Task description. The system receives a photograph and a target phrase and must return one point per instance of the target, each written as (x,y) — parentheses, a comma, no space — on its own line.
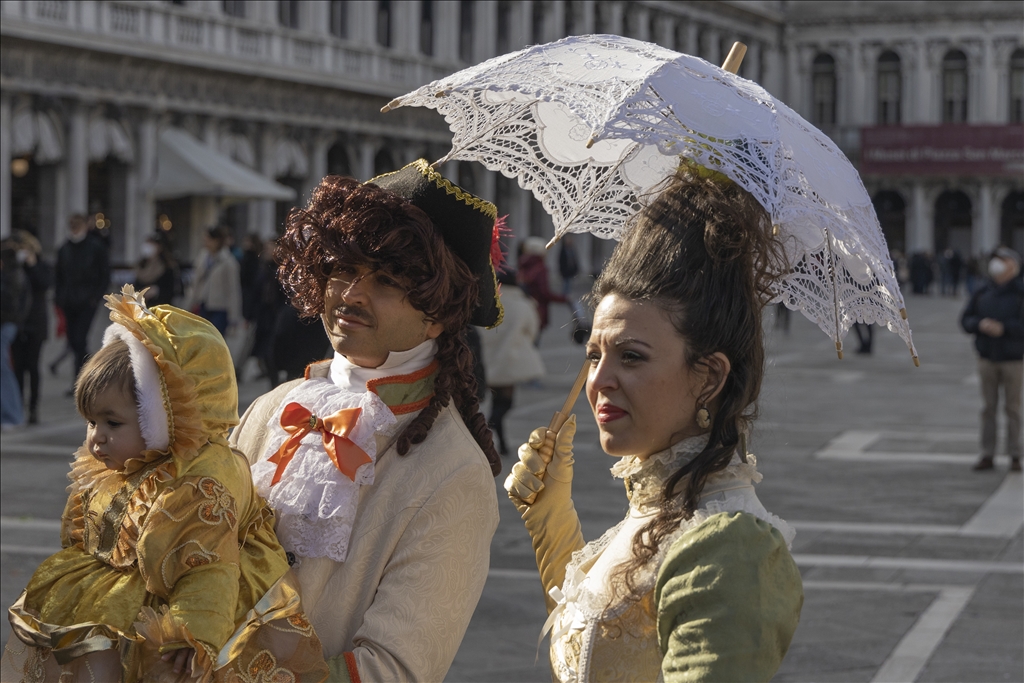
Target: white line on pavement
(899,456)
(916,647)
(13,549)
(29,524)
(514,574)
(876,586)
(40,449)
(881,528)
(1002,515)
(916,563)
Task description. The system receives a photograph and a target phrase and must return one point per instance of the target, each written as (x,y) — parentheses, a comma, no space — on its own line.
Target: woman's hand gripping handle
(540,486)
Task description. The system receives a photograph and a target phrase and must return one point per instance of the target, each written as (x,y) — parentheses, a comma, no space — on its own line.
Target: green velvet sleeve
(729,596)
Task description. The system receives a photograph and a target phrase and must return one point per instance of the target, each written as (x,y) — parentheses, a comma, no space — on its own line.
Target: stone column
(485,30)
(446,30)
(985,235)
(145,205)
(771,70)
(322,141)
(615,18)
(643,22)
(861,102)
(554,21)
(263,221)
(664,33)
(78,161)
(752,61)
(990,78)
(5,166)
(587,18)
(711,48)
(921,235)
(690,44)
(367,151)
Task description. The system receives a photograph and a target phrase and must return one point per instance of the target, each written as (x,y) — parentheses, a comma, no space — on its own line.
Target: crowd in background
(236,288)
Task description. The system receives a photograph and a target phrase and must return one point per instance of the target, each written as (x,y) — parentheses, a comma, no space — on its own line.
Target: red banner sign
(943,150)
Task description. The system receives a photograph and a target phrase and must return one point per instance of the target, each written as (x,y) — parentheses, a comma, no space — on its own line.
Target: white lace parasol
(593,124)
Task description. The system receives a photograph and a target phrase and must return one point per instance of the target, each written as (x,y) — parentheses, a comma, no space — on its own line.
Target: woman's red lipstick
(608,413)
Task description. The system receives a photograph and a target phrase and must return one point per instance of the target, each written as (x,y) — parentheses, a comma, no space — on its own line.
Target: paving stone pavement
(913,565)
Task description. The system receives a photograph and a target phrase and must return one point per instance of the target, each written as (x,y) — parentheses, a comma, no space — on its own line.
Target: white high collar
(348,375)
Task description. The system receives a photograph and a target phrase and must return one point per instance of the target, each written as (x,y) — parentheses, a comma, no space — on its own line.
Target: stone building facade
(292,90)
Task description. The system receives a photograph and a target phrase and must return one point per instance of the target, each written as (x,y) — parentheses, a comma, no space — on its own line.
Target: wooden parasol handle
(732,65)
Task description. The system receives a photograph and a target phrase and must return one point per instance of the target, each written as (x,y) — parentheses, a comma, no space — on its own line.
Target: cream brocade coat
(418,556)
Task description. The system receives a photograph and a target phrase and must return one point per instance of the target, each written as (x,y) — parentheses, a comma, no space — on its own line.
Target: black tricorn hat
(466,222)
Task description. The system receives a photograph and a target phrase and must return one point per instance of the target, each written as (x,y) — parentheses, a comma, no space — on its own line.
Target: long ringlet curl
(360,224)
(703,250)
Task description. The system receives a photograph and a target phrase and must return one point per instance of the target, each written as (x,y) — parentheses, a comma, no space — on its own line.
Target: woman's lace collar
(646,478)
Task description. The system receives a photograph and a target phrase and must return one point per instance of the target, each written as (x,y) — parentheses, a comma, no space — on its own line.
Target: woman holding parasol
(697,582)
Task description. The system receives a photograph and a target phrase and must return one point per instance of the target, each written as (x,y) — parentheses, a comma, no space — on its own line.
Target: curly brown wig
(363,225)
(704,252)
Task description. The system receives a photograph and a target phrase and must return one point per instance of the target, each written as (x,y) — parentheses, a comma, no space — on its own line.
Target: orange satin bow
(298,421)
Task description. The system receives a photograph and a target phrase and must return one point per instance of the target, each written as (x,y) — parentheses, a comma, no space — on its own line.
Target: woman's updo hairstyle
(703,250)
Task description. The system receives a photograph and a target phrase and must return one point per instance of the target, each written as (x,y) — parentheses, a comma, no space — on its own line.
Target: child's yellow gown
(175,550)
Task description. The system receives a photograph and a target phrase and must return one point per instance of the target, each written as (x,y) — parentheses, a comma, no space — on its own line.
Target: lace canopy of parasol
(592,125)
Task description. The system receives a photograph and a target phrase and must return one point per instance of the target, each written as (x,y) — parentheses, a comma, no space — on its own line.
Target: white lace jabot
(348,375)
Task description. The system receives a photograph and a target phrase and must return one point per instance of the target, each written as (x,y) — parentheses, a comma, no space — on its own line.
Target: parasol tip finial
(839,349)
(917,362)
(591,141)
(903,313)
(393,104)
(735,58)
(553,241)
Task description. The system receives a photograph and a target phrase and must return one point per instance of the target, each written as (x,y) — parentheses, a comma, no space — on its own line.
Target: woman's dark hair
(703,251)
(356,224)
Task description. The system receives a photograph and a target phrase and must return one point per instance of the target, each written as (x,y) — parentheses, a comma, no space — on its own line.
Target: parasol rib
(452,154)
(597,189)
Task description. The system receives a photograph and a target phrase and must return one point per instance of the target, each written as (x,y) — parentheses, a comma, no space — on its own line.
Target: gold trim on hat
(482,205)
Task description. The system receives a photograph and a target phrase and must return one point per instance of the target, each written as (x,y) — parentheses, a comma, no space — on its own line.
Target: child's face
(114,436)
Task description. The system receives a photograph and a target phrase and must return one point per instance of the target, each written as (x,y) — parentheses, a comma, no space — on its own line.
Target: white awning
(187,167)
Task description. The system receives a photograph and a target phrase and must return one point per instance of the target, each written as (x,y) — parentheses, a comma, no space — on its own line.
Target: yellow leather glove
(541,489)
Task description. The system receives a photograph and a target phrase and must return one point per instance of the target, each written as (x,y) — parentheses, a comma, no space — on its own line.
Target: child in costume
(170,568)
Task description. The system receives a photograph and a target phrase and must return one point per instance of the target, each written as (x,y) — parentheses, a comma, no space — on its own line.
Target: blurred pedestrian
(32,335)
(568,263)
(216,289)
(950,266)
(158,270)
(533,278)
(14,304)
(509,355)
(995,315)
(82,276)
(899,262)
(865,335)
(272,299)
(921,274)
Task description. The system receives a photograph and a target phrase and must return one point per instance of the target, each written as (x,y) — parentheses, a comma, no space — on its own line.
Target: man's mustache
(353,313)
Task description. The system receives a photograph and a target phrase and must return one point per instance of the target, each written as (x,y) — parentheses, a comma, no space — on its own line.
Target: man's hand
(182,659)
(991,327)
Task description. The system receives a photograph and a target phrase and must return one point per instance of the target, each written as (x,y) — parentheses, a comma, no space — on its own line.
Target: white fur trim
(149,394)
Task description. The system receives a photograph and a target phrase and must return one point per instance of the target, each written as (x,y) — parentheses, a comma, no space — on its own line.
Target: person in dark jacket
(14,304)
(995,315)
(33,332)
(158,271)
(82,276)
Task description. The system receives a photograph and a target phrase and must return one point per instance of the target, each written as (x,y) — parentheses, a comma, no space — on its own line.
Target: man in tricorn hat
(379,464)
